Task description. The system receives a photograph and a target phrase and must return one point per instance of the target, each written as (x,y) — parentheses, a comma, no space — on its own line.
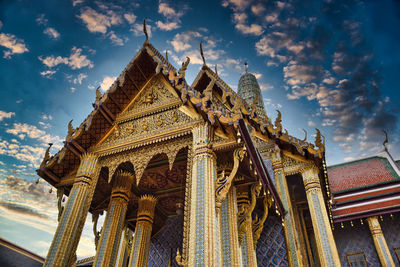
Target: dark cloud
(326,57)
(22,210)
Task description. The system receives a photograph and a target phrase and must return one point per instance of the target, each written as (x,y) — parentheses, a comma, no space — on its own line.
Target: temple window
(356,259)
(397,252)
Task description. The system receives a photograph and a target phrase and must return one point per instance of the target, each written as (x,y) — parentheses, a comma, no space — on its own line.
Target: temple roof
(209,98)
(363,187)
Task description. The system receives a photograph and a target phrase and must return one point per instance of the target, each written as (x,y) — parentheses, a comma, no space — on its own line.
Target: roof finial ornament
(201,53)
(166,54)
(386,140)
(216,70)
(245,66)
(145,31)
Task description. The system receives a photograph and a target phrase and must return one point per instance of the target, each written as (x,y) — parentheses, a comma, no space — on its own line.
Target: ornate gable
(152,116)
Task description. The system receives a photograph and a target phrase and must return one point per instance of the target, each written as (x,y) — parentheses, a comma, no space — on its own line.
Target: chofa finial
(245,66)
(386,139)
(216,70)
(166,54)
(145,31)
(202,54)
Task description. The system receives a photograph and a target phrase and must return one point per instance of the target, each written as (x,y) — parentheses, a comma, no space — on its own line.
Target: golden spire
(386,139)
(201,53)
(145,31)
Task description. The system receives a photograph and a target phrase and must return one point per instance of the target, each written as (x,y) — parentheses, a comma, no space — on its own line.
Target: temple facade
(198,175)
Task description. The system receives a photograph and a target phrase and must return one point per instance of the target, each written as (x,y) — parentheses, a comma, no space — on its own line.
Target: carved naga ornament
(258,223)
(245,210)
(223,182)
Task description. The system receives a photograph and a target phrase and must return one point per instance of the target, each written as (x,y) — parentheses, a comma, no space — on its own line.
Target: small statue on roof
(46,157)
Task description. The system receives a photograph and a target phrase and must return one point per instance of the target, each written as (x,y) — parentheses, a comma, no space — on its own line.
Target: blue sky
(327,64)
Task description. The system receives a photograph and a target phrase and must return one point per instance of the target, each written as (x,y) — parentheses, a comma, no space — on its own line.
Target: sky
(331,65)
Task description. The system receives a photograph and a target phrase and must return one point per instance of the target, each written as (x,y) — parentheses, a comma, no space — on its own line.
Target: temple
(199,175)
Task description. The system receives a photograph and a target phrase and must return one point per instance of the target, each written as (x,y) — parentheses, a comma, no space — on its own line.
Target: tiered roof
(365,187)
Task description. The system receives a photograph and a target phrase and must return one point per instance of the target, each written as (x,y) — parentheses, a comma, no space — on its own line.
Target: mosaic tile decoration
(271,248)
(391,231)
(170,236)
(268,165)
(355,239)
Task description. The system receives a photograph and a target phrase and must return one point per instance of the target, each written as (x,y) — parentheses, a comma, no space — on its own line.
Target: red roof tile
(358,174)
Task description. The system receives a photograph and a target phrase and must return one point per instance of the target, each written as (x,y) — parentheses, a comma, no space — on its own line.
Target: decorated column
(245,232)
(69,230)
(141,241)
(107,250)
(380,242)
(326,247)
(125,247)
(203,227)
(229,230)
(291,234)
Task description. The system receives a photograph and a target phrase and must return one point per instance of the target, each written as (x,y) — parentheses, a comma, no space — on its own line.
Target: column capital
(122,184)
(276,158)
(147,204)
(374,225)
(310,177)
(203,135)
(87,168)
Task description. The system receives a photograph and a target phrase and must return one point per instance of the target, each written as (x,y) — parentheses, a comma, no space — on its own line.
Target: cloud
(266,87)
(240,19)
(77,2)
(258,9)
(171,15)
(115,39)
(168,26)
(47,117)
(236,4)
(300,74)
(97,22)
(53,33)
(23,130)
(137,29)
(75,61)
(13,44)
(41,20)
(107,82)
(168,12)
(130,17)
(253,29)
(311,123)
(6,115)
(48,73)
(79,79)
(182,40)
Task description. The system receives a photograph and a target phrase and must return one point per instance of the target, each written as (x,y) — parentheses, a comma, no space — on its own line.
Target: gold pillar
(245,232)
(203,233)
(380,242)
(125,248)
(141,242)
(229,230)
(107,250)
(69,230)
(291,233)
(326,247)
